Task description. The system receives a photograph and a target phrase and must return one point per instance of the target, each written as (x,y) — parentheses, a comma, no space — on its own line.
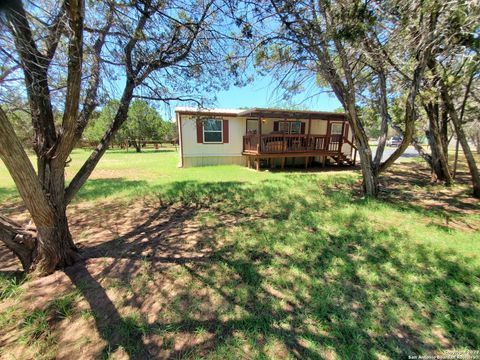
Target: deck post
(259,145)
(258,163)
(306,162)
(249,162)
(309,131)
(283,163)
(272,163)
(327,138)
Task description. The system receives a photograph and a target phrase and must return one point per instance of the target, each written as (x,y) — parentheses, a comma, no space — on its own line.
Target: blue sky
(262,93)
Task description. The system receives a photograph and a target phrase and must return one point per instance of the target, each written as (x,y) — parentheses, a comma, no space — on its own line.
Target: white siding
(234,147)
(202,154)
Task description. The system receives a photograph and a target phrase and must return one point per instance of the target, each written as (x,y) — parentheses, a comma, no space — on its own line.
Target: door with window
(336,132)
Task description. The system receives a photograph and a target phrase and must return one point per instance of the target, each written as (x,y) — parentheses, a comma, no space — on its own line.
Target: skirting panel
(213,160)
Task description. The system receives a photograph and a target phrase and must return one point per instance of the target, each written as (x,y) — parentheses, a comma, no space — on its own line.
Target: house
(263,137)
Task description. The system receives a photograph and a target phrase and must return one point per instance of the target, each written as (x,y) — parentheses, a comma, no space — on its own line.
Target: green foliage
(22,124)
(143,123)
(100,122)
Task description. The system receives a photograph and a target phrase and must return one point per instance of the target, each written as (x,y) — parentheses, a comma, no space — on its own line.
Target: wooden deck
(257,147)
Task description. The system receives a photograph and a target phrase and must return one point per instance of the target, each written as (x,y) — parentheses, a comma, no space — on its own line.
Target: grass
(117,178)
(232,263)
(10,285)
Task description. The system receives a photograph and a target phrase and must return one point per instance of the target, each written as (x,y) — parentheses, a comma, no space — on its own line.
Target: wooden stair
(342,159)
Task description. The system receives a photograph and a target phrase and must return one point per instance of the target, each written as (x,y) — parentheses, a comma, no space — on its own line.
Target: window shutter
(275,126)
(199,131)
(225,131)
(302,128)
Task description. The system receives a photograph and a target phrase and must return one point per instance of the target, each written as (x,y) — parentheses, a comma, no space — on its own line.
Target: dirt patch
(409,186)
(134,267)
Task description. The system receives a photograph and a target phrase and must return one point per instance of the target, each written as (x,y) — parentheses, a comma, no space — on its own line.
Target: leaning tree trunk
(462,138)
(22,241)
(52,246)
(369,173)
(440,170)
(383,104)
(436,140)
(370,179)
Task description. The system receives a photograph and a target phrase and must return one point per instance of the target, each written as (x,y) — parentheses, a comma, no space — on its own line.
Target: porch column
(307,145)
(340,145)
(259,146)
(327,139)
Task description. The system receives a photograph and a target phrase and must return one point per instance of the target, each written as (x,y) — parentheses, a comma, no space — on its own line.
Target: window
(284,127)
(296,127)
(252,126)
(336,129)
(212,131)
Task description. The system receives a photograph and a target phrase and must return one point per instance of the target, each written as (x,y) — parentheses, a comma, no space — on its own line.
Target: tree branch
(75,12)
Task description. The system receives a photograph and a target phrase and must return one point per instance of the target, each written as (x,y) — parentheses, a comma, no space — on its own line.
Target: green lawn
(243,264)
(122,174)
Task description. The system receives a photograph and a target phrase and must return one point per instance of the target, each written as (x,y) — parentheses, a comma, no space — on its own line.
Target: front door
(252,126)
(335,132)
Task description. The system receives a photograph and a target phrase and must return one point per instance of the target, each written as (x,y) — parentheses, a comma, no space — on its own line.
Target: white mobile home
(262,136)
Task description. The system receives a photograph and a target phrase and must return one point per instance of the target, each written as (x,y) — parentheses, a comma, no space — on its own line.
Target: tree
(453,72)
(160,48)
(143,123)
(326,39)
(460,132)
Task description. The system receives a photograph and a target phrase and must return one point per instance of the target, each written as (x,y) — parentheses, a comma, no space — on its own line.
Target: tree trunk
(45,201)
(55,247)
(437,142)
(385,120)
(440,170)
(370,179)
(444,130)
(475,174)
(369,173)
(137,145)
(21,241)
(42,249)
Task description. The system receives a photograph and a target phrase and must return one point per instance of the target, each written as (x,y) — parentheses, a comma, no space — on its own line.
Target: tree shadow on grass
(401,188)
(116,330)
(228,273)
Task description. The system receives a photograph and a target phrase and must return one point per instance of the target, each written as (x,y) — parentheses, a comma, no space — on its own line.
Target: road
(410,152)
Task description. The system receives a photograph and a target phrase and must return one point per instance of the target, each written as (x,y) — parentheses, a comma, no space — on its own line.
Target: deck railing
(288,143)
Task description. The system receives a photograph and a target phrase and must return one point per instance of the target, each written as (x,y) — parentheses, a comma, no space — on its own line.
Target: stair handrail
(349,142)
(351,150)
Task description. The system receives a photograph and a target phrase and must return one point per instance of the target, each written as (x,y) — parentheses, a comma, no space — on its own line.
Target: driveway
(410,152)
